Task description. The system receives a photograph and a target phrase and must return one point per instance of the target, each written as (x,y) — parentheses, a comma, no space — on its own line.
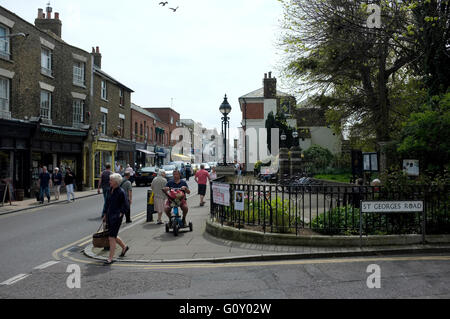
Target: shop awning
(147,152)
(181,157)
(63,132)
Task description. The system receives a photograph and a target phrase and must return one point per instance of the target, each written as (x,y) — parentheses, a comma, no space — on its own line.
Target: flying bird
(174,9)
(163,3)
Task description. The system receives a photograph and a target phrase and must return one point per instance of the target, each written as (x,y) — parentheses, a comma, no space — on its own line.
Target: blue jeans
(105,194)
(44,191)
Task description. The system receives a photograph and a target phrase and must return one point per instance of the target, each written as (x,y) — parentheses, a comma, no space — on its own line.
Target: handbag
(101,238)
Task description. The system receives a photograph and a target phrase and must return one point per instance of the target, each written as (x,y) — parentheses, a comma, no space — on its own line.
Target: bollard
(150,207)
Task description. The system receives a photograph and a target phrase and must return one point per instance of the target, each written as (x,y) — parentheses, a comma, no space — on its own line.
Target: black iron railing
(333,210)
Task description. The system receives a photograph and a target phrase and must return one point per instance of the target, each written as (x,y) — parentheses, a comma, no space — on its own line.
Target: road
(35,263)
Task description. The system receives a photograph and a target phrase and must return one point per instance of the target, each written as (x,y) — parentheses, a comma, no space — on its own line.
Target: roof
(260,94)
(110,78)
(145,112)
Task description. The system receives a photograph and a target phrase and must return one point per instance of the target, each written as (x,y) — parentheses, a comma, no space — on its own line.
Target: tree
(426,134)
(278,121)
(330,51)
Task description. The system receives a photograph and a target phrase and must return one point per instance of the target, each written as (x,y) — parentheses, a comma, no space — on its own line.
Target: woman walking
(115,208)
(160,198)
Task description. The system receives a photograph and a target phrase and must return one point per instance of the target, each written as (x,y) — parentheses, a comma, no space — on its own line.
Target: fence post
(424,222)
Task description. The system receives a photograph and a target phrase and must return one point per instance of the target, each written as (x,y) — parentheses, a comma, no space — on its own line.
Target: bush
(318,158)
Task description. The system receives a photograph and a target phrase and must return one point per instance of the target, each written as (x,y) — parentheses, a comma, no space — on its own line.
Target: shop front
(103,152)
(57,147)
(125,153)
(161,156)
(15,156)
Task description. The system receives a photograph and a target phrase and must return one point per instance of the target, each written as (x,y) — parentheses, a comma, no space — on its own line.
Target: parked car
(207,167)
(213,164)
(145,175)
(180,167)
(169,171)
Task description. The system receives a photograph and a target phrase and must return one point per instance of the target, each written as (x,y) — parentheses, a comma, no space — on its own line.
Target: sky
(196,55)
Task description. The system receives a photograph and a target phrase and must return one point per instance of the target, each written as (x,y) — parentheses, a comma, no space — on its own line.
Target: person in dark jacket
(57,181)
(69,181)
(115,208)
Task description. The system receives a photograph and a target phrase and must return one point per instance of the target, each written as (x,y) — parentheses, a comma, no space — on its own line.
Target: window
(78,73)
(141,131)
(4,42)
(135,129)
(104,91)
(171,120)
(46,61)
(78,108)
(104,122)
(46,105)
(122,103)
(4,95)
(122,127)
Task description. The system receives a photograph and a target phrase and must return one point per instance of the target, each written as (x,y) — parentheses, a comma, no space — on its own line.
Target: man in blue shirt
(177,183)
(44,183)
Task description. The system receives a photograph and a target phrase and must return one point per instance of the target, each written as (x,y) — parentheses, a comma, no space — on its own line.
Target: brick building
(42,81)
(255,107)
(58,108)
(110,139)
(151,134)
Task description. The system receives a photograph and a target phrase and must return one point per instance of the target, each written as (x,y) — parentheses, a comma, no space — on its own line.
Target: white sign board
(411,167)
(221,194)
(391,206)
(239,200)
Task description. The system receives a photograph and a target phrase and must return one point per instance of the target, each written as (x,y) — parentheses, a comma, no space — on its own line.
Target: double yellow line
(86,240)
(267,263)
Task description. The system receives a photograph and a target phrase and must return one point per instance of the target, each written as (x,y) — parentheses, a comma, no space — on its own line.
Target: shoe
(124,252)
(108,262)
(160,222)
(129,222)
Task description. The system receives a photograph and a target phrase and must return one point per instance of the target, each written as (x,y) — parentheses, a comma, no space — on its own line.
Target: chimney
(270,86)
(97,57)
(46,23)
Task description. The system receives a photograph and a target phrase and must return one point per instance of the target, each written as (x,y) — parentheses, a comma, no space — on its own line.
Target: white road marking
(15,279)
(46,265)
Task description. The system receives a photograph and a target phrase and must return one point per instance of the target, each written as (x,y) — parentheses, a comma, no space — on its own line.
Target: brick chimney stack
(270,86)
(45,21)
(97,57)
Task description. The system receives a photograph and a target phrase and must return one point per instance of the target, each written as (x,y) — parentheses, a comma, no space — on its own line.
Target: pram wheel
(175,230)
(191,227)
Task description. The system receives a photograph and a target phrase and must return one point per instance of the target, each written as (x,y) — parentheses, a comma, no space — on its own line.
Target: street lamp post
(225,109)
(295,136)
(283,138)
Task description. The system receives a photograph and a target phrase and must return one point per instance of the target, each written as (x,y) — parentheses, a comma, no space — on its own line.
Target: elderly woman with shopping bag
(115,208)
(159,197)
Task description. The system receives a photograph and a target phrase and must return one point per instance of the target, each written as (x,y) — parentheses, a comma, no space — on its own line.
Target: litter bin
(150,207)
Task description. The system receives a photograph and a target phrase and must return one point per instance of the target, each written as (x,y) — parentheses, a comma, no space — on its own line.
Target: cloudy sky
(193,56)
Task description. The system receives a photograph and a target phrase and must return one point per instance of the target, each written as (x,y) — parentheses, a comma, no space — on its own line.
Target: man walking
(69,181)
(44,183)
(104,184)
(202,177)
(126,186)
(57,181)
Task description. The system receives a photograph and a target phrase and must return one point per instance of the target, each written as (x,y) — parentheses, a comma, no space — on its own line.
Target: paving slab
(150,243)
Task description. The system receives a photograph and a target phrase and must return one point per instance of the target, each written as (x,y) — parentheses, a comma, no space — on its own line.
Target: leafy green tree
(278,121)
(426,134)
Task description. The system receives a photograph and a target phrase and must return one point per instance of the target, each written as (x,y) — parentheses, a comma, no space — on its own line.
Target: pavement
(149,243)
(26,204)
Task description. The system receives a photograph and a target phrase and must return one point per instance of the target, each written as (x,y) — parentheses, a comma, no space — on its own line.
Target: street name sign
(391,206)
